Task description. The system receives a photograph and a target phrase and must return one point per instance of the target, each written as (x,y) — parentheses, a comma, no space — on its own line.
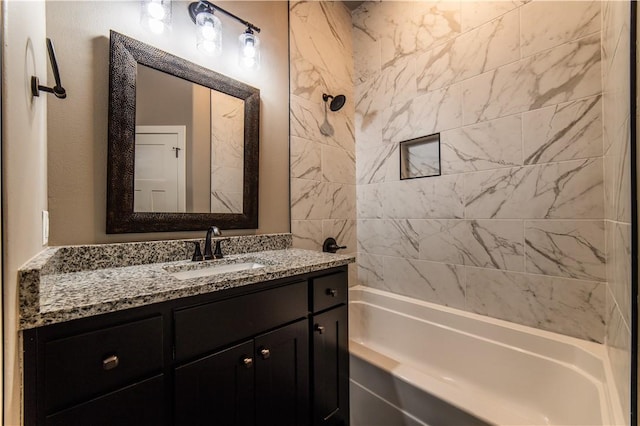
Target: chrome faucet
(215,231)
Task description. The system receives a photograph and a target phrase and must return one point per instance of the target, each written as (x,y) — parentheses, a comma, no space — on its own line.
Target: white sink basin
(214,270)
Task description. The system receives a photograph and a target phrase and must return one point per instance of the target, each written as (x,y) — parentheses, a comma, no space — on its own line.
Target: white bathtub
(416,363)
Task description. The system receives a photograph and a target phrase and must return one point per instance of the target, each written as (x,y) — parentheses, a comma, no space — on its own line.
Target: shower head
(337,102)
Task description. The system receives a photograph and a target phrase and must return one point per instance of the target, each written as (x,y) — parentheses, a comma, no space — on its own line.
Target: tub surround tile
(376,164)
(429,281)
(435,197)
(483,146)
(485,243)
(306,117)
(366,55)
(619,266)
(305,159)
(568,248)
(400,238)
(470,54)
(565,131)
(430,113)
(572,307)
(307,199)
(369,201)
(568,72)
(619,350)
(338,165)
(475,14)
(340,201)
(572,189)
(344,232)
(371,270)
(436,21)
(549,24)
(307,234)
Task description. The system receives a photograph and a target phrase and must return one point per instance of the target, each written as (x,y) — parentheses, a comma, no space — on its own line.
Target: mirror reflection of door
(160,181)
(214,139)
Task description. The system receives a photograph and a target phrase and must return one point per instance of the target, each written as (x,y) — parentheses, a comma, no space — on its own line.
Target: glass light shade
(155,15)
(208,34)
(249,54)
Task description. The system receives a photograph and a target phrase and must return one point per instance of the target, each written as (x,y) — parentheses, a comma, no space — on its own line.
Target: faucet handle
(217,252)
(197,254)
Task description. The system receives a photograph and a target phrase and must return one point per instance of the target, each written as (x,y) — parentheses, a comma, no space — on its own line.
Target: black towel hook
(57,90)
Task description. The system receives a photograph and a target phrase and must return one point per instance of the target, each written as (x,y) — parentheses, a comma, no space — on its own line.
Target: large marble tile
(476,13)
(572,190)
(619,266)
(371,270)
(444,240)
(338,165)
(340,201)
(397,82)
(398,238)
(486,243)
(343,231)
(568,72)
(507,295)
(470,54)
(371,236)
(369,201)
(571,307)
(308,199)
(577,308)
(434,197)
(494,244)
(483,146)
(307,116)
(366,55)
(305,159)
(567,131)
(429,281)
(566,248)
(546,24)
(307,234)
(325,48)
(436,22)
(619,351)
(430,113)
(377,164)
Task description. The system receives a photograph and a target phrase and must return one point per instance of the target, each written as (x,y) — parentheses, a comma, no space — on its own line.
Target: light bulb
(209,33)
(249,55)
(156,26)
(155,10)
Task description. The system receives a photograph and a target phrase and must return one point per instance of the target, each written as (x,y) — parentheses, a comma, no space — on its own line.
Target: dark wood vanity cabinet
(273,353)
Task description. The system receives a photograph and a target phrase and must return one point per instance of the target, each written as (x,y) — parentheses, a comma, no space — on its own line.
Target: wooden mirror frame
(125,54)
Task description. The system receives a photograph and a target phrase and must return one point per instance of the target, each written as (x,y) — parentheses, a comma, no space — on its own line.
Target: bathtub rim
(594,356)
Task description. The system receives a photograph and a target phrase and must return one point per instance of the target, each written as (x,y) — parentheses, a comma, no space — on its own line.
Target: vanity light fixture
(209,33)
(156,15)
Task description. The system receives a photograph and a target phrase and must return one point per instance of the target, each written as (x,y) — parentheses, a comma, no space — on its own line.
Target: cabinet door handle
(266,353)
(110,362)
(247,361)
(319,328)
(332,292)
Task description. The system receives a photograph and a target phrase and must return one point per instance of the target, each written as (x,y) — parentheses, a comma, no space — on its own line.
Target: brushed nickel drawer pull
(332,292)
(266,353)
(111,362)
(319,328)
(247,361)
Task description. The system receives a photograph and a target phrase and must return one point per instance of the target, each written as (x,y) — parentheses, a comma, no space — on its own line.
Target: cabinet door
(282,376)
(216,389)
(331,368)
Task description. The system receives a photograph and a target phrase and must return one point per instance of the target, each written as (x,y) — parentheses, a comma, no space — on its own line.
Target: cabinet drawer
(330,290)
(208,327)
(87,364)
(136,405)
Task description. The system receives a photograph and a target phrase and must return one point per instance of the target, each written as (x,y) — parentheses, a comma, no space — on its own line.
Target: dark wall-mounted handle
(331,246)
(57,90)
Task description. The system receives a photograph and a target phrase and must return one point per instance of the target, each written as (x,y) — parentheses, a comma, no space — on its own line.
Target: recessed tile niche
(420,157)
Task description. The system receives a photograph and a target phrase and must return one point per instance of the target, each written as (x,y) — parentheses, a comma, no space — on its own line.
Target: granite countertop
(52,294)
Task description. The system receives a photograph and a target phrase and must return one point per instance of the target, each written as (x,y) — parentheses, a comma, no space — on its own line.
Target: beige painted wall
(24,169)
(77,132)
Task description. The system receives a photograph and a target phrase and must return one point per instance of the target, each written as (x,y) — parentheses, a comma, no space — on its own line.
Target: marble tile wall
(323,167)
(617,205)
(515,227)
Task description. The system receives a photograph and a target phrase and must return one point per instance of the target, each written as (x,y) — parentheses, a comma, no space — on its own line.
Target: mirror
(183,144)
